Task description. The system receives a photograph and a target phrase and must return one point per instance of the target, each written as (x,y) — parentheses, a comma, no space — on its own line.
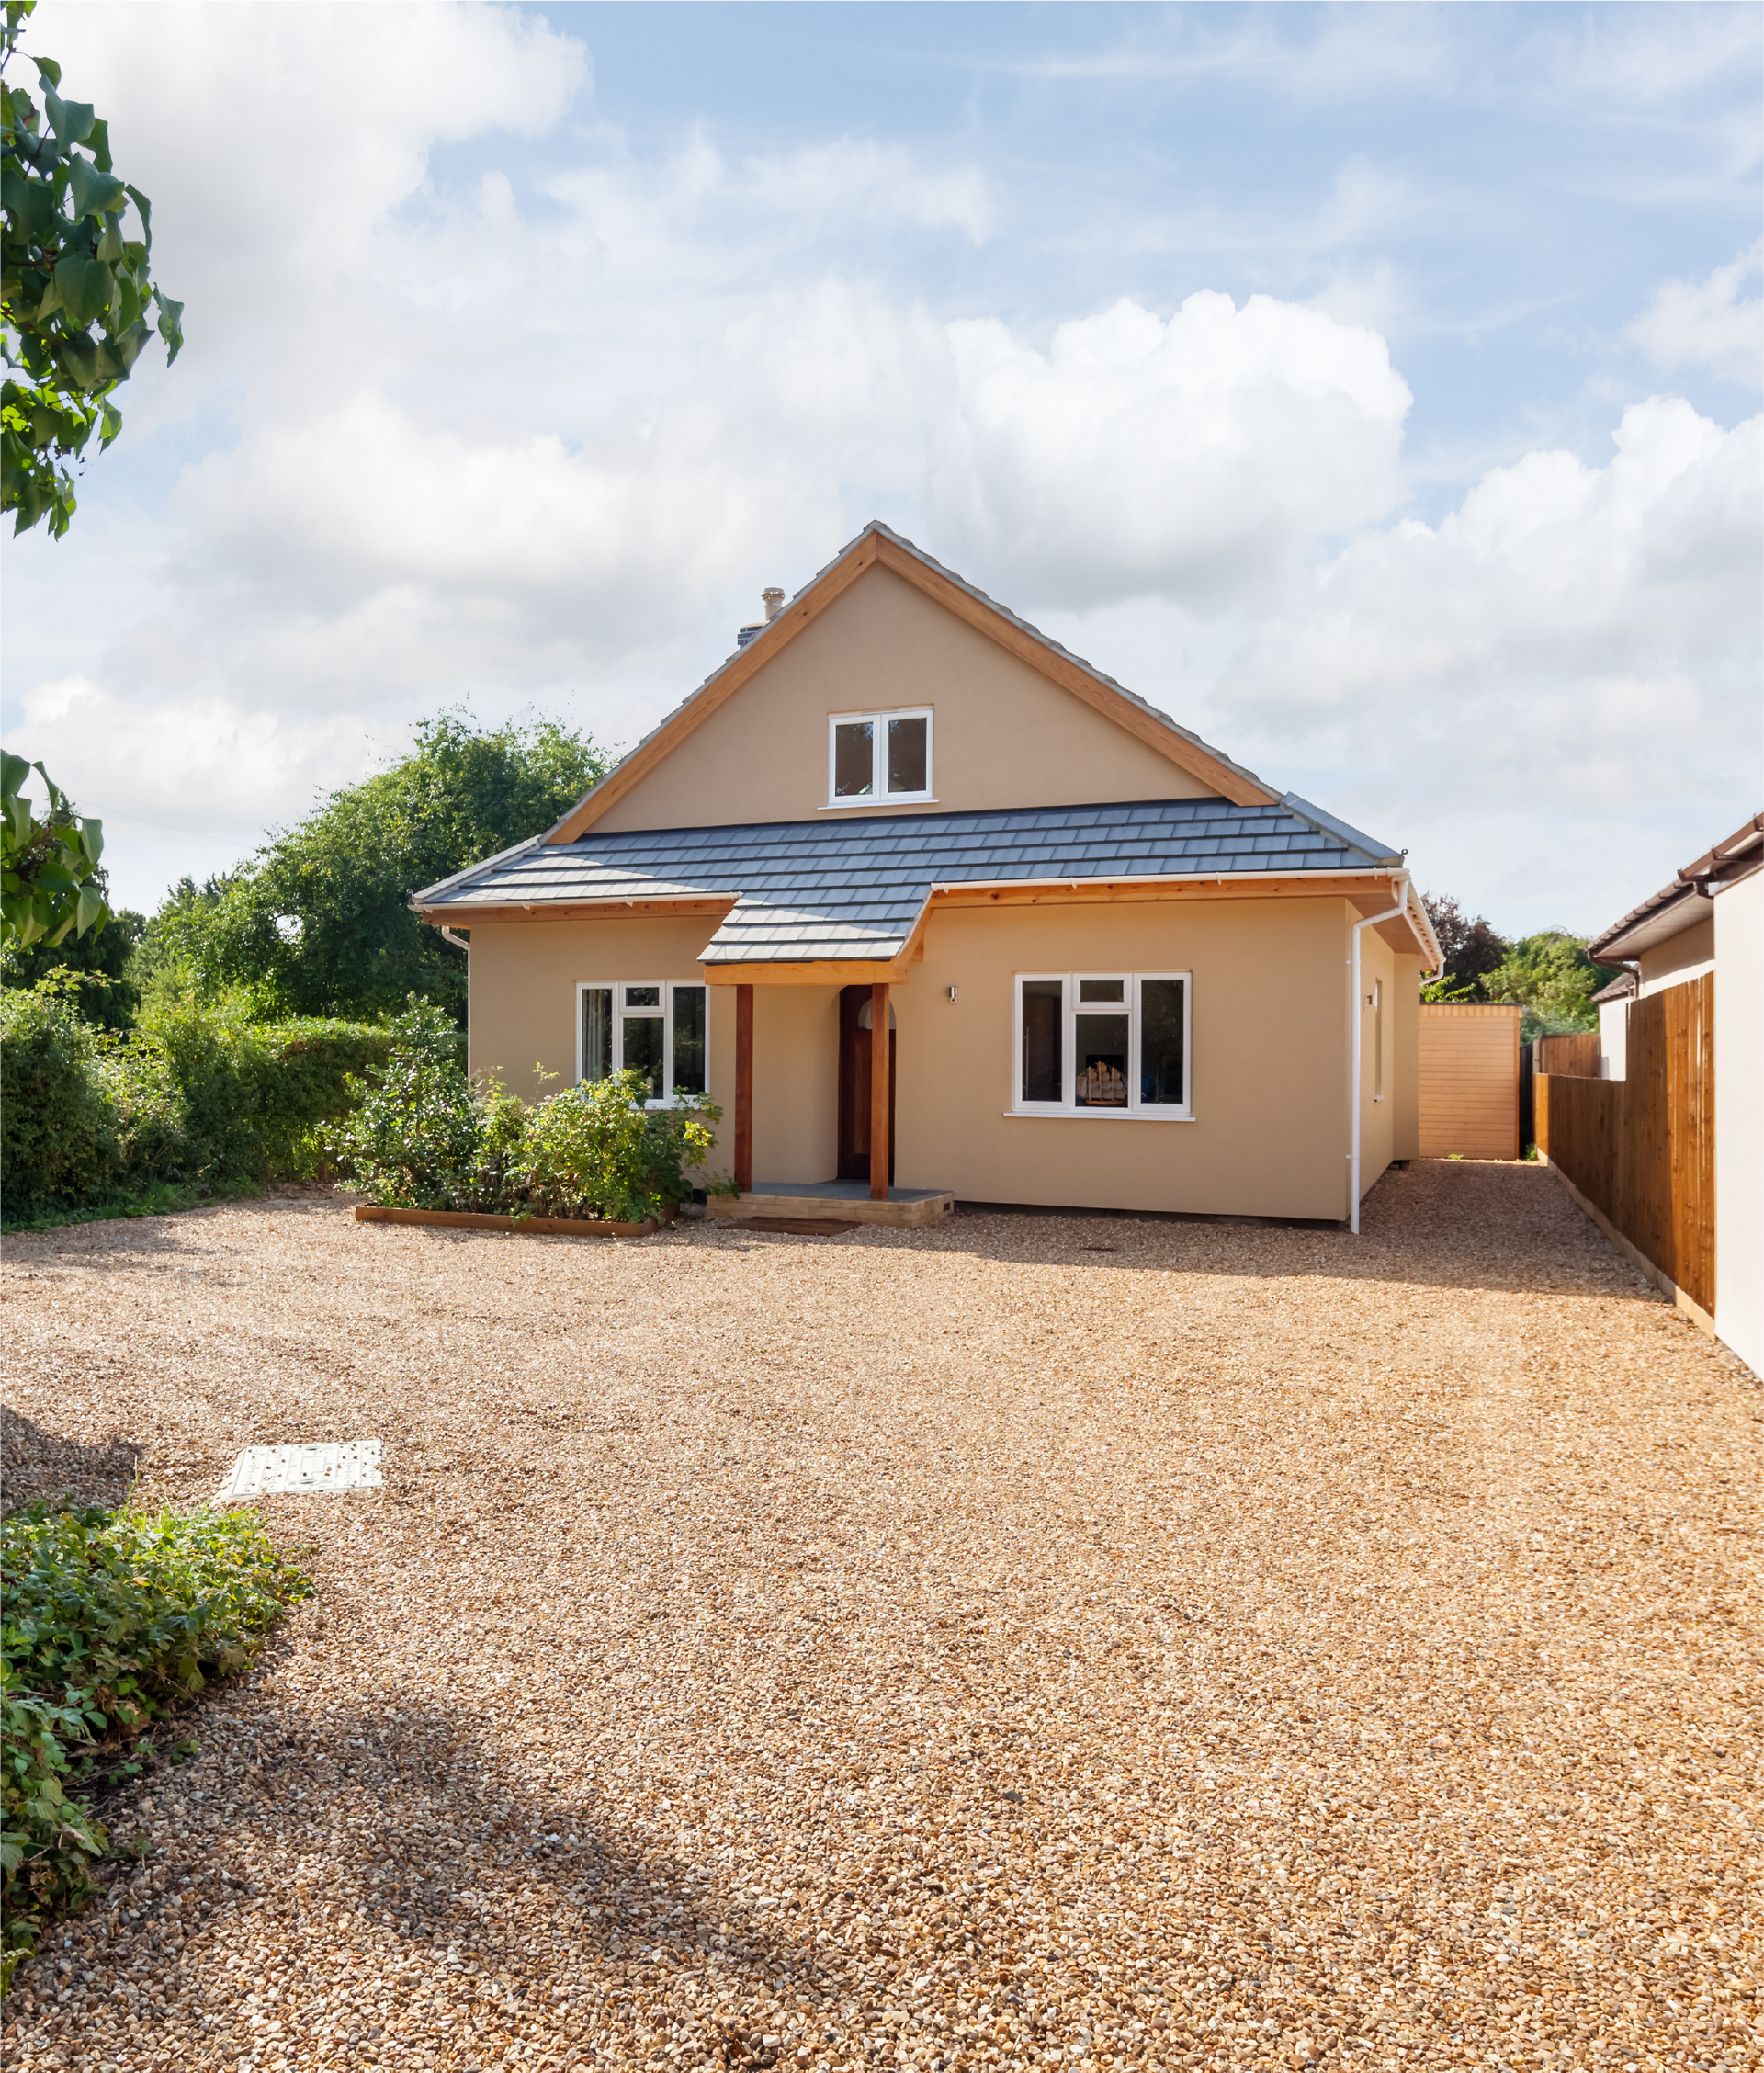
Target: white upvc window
(1102,1044)
(879,757)
(661,1027)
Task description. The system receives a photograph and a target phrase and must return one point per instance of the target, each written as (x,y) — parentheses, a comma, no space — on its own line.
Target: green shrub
(249,1098)
(420,1135)
(111,1619)
(58,1140)
(595,1151)
(194,1097)
(423,1135)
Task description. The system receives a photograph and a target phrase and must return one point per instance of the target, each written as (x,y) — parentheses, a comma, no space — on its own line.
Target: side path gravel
(1043,1641)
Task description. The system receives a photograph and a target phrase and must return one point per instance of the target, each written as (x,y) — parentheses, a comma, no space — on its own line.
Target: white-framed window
(661,1027)
(878,755)
(1102,1044)
(1377,1004)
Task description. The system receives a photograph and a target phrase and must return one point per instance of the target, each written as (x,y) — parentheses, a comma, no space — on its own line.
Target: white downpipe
(458,942)
(1400,887)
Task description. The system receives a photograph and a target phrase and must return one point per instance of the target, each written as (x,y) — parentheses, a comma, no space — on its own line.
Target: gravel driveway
(1044,1640)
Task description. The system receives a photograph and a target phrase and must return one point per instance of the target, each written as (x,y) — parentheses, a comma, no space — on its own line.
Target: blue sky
(1376,388)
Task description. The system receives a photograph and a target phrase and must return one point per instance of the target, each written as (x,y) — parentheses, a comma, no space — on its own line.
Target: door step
(829,1201)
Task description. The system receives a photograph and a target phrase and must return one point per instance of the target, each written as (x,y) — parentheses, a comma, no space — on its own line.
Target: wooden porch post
(744,1089)
(879,1043)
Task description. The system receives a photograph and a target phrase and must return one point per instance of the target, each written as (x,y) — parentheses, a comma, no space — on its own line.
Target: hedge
(193,1097)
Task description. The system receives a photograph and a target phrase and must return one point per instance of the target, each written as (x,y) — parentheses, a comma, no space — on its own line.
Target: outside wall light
(952,992)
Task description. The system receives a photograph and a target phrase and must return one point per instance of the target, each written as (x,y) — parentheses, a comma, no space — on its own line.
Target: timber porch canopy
(808,903)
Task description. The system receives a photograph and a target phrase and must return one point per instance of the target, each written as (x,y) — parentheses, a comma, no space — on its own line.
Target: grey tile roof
(853,887)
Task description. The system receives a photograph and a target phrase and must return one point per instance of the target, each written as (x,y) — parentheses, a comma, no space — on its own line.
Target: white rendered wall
(1613,1040)
(1740,1118)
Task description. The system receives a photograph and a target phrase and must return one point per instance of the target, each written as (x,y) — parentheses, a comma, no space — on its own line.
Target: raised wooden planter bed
(528,1227)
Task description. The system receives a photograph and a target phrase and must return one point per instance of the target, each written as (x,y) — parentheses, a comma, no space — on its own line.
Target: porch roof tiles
(854,887)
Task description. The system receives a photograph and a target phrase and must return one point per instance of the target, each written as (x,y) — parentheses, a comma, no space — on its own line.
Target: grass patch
(112,1619)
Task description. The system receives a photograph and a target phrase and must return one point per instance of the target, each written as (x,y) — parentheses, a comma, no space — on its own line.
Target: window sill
(887,798)
(1092,1115)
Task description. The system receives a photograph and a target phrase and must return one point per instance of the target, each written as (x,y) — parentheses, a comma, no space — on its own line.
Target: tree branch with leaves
(50,881)
(74,291)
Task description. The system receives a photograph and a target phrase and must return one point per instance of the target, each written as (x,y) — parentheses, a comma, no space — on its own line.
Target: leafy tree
(102,962)
(319,922)
(1552,979)
(1471,948)
(74,291)
(50,886)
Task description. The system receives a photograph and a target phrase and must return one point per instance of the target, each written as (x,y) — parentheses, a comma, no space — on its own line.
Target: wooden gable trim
(873,551)
(718,691)
(1113,705)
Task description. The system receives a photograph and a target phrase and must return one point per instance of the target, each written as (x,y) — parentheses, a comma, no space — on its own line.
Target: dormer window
(879,756)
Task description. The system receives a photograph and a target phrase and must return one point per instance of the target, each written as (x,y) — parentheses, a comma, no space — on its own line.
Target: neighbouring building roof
(1684,902)
(1621,989)
(854,889)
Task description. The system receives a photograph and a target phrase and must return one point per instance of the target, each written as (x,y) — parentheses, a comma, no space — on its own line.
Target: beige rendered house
(1112,968)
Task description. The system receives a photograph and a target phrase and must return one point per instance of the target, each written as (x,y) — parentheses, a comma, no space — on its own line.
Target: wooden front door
(855,1088)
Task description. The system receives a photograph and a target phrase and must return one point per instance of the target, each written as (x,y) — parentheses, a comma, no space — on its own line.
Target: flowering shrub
(424,1136)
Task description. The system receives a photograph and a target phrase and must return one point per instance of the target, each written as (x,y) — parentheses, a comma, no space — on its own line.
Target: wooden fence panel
(1577,1055)
(1469,1081)
(1642,1150)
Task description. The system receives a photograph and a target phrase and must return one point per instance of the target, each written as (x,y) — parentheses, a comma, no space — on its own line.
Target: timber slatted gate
(1469,1081)
(1642,1150)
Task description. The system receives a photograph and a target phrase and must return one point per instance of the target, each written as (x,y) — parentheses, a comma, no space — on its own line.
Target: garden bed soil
(1243,1647)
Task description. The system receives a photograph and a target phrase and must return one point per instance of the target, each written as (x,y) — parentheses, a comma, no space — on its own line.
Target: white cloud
(880,183)
(276,142)
(509,430)
(216,766)
(1573,645)
(1658,60)
(1709,324)
(1550,571)
(364,554)
(1191,459)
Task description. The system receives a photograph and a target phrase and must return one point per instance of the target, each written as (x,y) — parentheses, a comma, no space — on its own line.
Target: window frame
(878,722)
(1138,1110)
(667,1098)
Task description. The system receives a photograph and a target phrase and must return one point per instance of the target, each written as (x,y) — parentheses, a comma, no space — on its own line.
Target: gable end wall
(1005,735)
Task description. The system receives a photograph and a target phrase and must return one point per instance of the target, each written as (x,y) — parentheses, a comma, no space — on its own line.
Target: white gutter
(1400,887)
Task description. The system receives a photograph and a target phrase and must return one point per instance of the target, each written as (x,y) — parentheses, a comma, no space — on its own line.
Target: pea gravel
(1066,1641)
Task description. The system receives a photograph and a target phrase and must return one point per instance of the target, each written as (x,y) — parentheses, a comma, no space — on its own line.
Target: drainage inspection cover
(325,1471)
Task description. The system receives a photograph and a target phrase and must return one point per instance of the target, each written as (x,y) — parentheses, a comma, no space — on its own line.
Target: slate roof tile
(853,887)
